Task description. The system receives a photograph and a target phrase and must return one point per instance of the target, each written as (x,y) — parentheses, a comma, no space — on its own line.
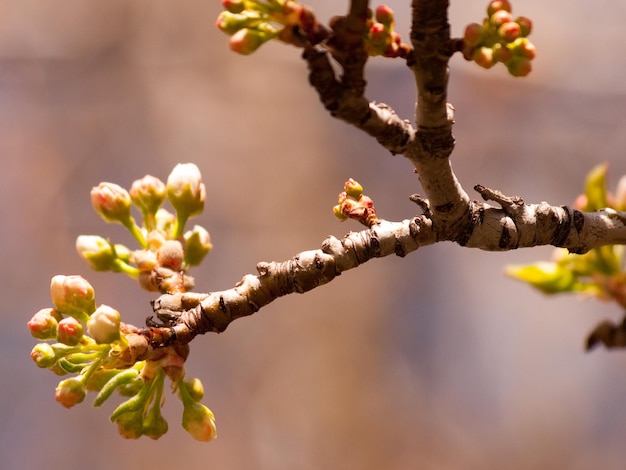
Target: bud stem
(135,231)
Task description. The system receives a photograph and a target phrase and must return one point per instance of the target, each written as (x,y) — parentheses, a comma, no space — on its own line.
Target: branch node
(423,204)
(507,203)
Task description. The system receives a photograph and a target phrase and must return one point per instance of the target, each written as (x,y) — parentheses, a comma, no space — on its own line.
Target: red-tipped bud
(384,15)
(70,392)
(498,5)
(483,56)
(148,194)
(246,41)
(70,331)
(526,25)
(43,355)
(233,6)
(473,34)
(509,31)
(524,48)
(72,295)
(500,17)
(43,325)
(111,202)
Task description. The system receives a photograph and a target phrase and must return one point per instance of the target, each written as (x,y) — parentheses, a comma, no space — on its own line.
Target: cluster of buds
(599,272)
(251,23)
(381,38)
(353,204)
(165,249)
(500,38)
(93,343)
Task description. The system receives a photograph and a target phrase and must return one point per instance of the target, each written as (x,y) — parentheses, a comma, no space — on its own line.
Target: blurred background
(435,361)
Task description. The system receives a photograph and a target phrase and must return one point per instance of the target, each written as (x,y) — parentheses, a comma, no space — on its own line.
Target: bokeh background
(435,361)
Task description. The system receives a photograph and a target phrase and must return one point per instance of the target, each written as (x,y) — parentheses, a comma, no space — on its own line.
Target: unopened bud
(384,15)
(526,25)
(197,245)
(500,17)
(185,189)
(97,252)
(148,194)
(246,41)
(483,56)
(111,202)
(70,331)
(233,6)
(509,31)
(498,5)
(43,355)
(353,189)
(104,325)
(72,295)
(43,325)
(519,66)
(171,255)
(70,392)
(199,421)
(473,34)
(130,424)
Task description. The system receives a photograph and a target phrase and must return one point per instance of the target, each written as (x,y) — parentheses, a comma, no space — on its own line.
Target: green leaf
(548,277)
(595,188)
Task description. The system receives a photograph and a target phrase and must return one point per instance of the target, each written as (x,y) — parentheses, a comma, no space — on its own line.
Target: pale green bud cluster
(251,23)
(599,272)
(500,38)
(353,204)
(165,249)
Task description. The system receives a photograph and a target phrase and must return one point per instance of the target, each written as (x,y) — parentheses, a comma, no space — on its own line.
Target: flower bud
(197,245)
(70,392)
(519,66)
(185,189)
(483,56)
(72,295)
(509,31)
(130,424)
(171,255)
(246,41)
(165,220)
(70,331)
(111,202)
(104,325)
(43,355)
(154,425)
(524,48)
(498,5)
(501,53)
(148,194)
(500,17)
(473,34)
(384,15)
(526,25)
(97,252)
(233,6)
(353,189)
(195,388)
(199,421)
(43,325)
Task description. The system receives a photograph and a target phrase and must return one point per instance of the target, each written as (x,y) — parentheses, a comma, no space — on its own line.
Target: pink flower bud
(509,31)
(473,34)
(43,355)
(498,5)
(185,189)
(43,325)
(171,255)
(199,421)
(72,295)
(524,48)
(104,325)
(483,56)
(246,41)
(526,25)
(70,331)
(501,53)
(197,245)
(70,392)
(97,252)
(111,202)
(148,194)
(500,17)
(384,15)
(233,6)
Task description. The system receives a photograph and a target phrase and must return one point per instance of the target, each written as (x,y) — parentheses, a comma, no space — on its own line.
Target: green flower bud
(509,31)
(353,189)
(473,34)
(197,245)
(384,15)
(523,48)
(111,202)
(233,6)
(498,5)
(483,56)
(199,421)
(526,25)
(500,17)
(519,66)
(130,424)
(230,23)
(148,194)
(43,355)
(70,392)
(195,388)
(73,296)
(43,325)
(154,425)
(70,331)
(246,40)
(104,325)
(98,252)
